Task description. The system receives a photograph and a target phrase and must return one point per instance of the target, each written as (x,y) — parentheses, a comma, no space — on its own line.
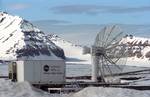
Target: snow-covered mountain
(138,47)
(20,39)
(138,51)
(72,51)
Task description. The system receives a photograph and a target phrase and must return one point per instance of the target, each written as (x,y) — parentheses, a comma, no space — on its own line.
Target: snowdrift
(24,89)
(111,92)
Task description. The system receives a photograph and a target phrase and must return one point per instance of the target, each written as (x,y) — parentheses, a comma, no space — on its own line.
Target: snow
(134,61)
(73,70)
(110,92)
(137,40)
(24,89)
(144,79)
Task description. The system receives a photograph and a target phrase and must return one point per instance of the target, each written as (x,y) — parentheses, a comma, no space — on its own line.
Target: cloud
(130,9)
(75,9)
(97,9)
(51,22)
(18,6)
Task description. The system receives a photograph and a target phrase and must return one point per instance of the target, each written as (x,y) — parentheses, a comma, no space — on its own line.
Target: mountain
(138,48)
(138,51)
(19,39)
(72,51)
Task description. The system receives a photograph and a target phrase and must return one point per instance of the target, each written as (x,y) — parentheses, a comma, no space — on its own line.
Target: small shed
(38,71)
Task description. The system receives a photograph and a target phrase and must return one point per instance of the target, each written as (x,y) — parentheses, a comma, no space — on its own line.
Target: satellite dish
(108,53)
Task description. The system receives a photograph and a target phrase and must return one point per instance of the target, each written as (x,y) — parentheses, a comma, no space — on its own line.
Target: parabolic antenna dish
(109,54)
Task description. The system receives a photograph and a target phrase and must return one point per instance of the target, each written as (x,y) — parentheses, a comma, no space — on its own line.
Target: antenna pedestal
(95,70)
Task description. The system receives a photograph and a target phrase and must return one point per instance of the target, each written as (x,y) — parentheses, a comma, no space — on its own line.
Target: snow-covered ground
(110,92)
(134,61)
(24,89)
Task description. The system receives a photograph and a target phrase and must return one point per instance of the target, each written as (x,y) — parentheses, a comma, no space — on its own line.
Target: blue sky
(75,19)
(81,11)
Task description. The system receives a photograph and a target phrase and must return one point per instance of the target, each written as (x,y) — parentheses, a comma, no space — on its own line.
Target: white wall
(33,71)
(20,71)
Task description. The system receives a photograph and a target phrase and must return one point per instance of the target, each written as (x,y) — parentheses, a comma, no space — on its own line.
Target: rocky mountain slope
(19,39)
(138,47)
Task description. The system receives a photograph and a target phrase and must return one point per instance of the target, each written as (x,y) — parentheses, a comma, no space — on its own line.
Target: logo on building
(46,68)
